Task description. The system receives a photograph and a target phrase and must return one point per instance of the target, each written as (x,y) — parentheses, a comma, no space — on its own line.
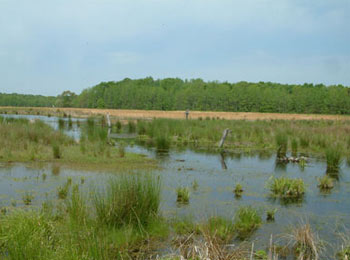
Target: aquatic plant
(56,151)
(238,190)
(27,198)
(162,143)
(128,199)
(305,243)
(183,195)
(121,149)
(246,221)
(62,191)
(131,127)
(282,144)
(294,147)
(220,228)
(186,226)
(61,123)
(333,157)
(270,214)
(285,187)
(195,185)
(261,254)
(325,183)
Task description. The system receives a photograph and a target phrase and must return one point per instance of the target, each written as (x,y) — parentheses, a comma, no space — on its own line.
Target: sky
(47,47)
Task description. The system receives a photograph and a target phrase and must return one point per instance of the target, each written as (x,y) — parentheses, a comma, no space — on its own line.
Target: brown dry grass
(150,114)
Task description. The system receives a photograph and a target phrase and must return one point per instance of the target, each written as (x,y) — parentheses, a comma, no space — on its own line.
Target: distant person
(187,113)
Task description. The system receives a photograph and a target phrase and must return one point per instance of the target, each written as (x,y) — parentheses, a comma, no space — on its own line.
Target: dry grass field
(150,114)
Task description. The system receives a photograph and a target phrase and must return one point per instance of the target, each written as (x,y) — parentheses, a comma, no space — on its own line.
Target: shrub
(247,220)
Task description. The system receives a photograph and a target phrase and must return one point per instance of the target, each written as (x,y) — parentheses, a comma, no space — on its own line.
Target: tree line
(196,94)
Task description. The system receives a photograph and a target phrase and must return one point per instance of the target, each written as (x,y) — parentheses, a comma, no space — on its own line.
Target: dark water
(216,176)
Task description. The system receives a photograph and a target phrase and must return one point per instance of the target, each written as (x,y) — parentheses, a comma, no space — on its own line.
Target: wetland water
(327,213)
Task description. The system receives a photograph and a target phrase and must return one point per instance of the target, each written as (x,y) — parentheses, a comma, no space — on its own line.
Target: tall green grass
(128,200)
(333,157)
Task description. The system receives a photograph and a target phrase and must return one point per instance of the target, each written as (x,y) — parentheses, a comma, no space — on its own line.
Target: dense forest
(196,94)
(20,100)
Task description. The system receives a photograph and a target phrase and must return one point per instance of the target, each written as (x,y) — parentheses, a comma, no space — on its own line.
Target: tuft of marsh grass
(131,127)
(121,149)
(294,147)
(195,185)
(56,151)
(247,220)
(305,242)
(270,214)
(183,195)
(62,191)
(286,188)
(186,226)
(238,190)
(333,157)
(27,198)
(325,183)
(128,200)
(282,144)
(220,228)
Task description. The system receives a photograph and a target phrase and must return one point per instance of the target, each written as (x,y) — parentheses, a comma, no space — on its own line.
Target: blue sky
(48,46)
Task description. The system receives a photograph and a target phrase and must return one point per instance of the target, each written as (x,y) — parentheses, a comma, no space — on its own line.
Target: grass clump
(326,183)
(128,200)
(238,190)
(333,157)
(270,214)
(247,220)
(282,145)
(183,195)
(62,191)
(57,154)
(305,243)
(286,188)
(27,198)
(219,228)
(186,226)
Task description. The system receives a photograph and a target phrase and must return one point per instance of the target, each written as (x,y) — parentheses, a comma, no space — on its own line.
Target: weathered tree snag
(224,135)
(222,160)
